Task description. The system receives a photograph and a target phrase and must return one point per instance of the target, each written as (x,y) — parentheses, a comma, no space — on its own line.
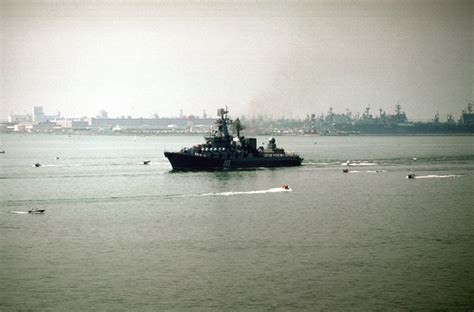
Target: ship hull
(184,162)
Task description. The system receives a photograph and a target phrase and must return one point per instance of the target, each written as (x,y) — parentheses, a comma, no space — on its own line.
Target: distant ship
(225,151)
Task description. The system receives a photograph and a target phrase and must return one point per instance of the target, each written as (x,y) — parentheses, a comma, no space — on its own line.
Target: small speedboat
(411,176)
(285,187)
(146,162)
(345,170)
(37,165)
(36,211)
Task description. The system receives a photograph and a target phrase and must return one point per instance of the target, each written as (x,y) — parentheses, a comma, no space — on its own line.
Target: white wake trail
(272,190)
(435,176)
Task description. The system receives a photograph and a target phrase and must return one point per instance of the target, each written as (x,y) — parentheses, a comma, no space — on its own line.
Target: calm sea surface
(119,235)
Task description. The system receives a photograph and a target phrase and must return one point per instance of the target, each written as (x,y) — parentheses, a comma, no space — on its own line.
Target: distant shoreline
(132,134)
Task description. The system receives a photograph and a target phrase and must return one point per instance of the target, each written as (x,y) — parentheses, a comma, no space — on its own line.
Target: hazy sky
(143,57)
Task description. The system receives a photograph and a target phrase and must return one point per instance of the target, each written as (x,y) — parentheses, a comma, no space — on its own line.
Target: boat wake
(310,163)
(272,190)
(364,164)
(435,176)
(158,163)
(63,165)
(358,163)
(161,163)
(19,212)
(366,171)
(18,204)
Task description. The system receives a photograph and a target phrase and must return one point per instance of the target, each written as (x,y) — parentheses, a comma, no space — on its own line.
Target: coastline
(143,134)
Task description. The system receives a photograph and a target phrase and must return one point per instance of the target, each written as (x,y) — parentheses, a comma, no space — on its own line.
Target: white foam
(358,163)
(363,164)
(435,176)
(19,212)
(366,171)
(315,163)
(62,165)
(272,190)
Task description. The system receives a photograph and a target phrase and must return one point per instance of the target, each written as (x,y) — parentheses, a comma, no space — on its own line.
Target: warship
(223,150)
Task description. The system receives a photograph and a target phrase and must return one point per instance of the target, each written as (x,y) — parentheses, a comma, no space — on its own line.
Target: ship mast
(222,123)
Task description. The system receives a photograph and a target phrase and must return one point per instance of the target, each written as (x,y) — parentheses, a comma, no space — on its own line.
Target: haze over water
(119,235)
(280,58)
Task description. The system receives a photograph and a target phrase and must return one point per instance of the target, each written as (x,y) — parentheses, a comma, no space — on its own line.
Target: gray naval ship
(225,151)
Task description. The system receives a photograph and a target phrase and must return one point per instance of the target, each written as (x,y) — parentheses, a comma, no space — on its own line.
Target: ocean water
(118,235)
